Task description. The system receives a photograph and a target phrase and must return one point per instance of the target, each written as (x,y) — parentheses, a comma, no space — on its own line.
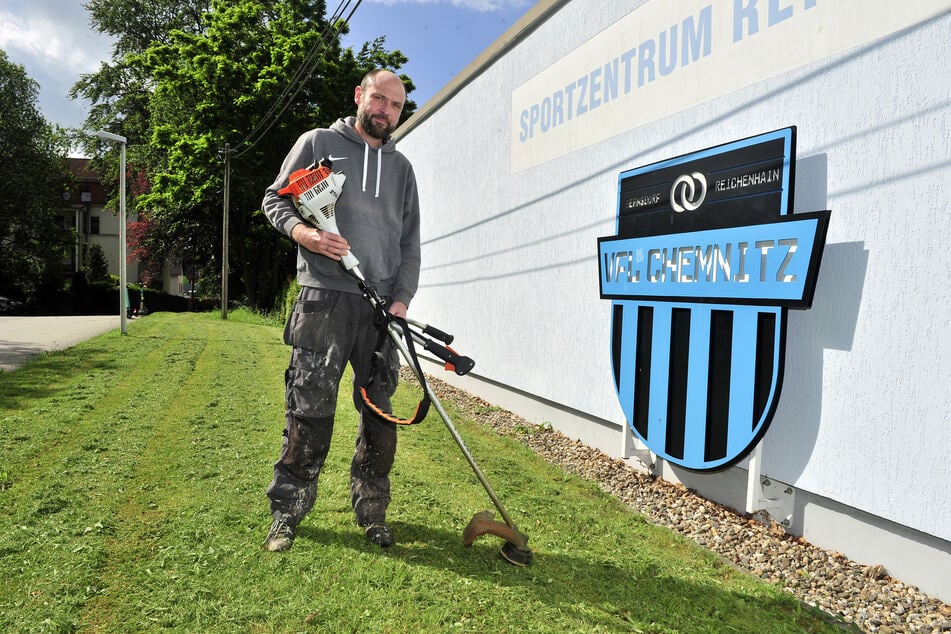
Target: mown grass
(132,477)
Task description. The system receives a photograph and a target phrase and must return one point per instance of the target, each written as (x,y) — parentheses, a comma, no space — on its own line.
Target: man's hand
(321,242)
(398,309)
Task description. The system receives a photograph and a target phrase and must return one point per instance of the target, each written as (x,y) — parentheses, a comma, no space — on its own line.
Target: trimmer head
(515,555)
(515,550)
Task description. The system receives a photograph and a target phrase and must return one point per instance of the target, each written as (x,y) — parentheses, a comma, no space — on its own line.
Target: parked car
(8,305)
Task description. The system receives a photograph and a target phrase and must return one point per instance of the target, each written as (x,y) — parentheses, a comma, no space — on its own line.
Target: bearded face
(380,99)
(377,125)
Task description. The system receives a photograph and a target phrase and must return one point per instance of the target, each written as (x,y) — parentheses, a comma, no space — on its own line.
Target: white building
(84,210)
(518,162)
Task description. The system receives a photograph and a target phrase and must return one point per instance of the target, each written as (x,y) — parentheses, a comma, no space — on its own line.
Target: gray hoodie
(377,212)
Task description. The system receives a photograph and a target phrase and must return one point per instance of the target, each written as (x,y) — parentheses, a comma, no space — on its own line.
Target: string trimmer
(315,190)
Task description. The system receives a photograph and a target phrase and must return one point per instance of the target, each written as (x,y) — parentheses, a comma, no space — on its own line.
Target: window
(94,224)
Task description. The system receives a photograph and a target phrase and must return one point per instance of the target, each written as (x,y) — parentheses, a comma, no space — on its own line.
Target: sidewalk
(23,338)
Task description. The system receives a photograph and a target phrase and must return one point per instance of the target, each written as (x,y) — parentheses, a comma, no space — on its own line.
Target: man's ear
(357,93)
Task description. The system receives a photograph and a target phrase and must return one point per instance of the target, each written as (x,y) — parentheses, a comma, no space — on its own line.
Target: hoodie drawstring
(379,171)
(379,167)
(366,156)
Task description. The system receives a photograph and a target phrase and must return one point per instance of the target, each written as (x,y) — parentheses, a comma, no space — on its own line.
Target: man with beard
(377,213)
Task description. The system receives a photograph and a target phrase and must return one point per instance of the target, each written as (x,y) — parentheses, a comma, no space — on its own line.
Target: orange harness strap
(375,410)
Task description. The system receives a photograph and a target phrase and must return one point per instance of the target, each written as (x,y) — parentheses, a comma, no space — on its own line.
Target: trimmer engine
(315,190)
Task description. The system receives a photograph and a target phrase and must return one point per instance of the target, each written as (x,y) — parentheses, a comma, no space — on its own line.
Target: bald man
(377,214)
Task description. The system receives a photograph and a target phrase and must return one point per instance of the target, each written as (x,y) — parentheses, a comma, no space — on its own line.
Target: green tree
(97,268)
(33,241)
(244,75)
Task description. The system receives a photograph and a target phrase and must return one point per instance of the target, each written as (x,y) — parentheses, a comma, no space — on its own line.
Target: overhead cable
(296,83)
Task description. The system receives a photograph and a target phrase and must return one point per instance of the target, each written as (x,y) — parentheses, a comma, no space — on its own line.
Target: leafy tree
(204,77)
(33,241)
(145,247)
(97,268)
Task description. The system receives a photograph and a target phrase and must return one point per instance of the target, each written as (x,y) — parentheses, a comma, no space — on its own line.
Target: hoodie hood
(377,211)
(346,127)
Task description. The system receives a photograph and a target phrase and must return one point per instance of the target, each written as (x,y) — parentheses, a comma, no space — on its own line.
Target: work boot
(378,533)
(280,537)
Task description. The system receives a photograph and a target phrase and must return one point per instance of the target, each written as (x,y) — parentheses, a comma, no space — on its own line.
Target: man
(377,213)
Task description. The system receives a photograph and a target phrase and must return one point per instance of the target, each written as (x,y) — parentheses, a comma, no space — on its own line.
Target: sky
(54,43)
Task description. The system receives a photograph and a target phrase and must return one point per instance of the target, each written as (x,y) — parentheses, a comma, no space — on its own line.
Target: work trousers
(328,329)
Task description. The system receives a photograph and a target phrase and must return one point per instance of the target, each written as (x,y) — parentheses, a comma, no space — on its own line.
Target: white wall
(510,260)
(108,239)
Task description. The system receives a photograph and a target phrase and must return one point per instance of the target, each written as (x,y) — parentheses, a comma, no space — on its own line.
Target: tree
(145,247)
(247,76)
(33,176)
(97,268)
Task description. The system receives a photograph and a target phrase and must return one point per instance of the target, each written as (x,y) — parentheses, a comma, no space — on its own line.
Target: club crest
(707,259)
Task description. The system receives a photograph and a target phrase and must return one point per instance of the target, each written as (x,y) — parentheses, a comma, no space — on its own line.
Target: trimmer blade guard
(515,550)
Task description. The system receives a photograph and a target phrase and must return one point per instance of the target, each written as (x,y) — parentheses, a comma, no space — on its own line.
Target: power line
(287,96)
(302,72)
(297,82)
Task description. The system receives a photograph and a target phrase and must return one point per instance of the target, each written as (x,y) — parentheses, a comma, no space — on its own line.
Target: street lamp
(121,140)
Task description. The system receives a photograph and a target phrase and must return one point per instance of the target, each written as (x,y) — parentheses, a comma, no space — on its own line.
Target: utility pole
(224,234)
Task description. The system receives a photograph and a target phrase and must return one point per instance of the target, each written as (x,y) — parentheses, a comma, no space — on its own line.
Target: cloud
(52,35)
(52,40)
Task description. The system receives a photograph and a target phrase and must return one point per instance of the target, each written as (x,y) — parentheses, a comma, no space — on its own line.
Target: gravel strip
(862,595)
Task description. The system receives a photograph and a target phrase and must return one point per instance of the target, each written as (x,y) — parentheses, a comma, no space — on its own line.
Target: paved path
(22,338)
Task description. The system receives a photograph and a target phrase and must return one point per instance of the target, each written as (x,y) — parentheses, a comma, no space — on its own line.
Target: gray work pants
(328,329)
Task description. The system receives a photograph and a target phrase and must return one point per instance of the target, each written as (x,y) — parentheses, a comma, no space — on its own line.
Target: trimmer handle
(454,361)
(349,261)
(445,337)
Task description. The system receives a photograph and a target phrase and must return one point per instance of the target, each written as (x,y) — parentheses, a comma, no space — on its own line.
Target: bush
(290,296)
(157,301)
(101,298)
(82,296)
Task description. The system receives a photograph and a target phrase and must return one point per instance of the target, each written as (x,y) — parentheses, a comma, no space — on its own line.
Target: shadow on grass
(43,376)
(15,353)
(589,588)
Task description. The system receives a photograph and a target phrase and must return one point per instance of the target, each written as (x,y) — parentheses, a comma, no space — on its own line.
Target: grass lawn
(132,477)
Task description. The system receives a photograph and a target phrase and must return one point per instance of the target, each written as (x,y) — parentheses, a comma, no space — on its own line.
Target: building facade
(519,162)
(84,211)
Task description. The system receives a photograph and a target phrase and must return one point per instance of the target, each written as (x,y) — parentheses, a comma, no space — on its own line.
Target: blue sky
(52,40)
(439,37)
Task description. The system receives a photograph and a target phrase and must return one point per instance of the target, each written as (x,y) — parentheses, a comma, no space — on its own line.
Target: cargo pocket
(311,389)
(309,324)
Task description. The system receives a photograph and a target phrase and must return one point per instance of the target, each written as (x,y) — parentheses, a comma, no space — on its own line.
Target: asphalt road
(23,338)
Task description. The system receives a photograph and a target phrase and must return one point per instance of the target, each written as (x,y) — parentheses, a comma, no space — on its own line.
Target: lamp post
(121,140)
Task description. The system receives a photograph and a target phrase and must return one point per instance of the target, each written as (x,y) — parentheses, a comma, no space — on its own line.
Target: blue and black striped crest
(707,259)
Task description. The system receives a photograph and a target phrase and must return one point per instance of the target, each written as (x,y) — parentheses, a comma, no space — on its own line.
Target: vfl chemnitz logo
(700,299)
(688,192)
